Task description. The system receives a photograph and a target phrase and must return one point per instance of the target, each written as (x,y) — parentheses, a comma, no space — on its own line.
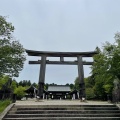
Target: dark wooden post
(42,77)
(61,59)
(81,78)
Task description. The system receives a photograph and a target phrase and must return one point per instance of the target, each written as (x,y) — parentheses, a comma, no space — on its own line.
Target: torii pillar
(81,78)
(42,77)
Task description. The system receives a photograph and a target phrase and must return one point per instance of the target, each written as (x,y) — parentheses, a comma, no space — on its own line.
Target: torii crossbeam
(61,55)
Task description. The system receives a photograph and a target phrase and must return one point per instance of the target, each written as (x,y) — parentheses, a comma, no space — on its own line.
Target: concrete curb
(6,110)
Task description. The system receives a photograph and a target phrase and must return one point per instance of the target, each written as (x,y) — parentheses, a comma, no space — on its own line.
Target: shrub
(4,104)
(90,93)
(20,92)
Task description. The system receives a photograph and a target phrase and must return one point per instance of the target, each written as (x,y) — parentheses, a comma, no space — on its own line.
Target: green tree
(3,80)
(46,86)
(28,83)
(76,83)
(67,84)
(90,93)
(112,52)
(20,92)
(53,84)
(25,83)
(14,85)
(72,86)
(36,85)
(106,67)
(99,74)
(11,51)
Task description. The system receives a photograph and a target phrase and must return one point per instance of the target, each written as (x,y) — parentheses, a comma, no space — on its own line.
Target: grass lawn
(4,104)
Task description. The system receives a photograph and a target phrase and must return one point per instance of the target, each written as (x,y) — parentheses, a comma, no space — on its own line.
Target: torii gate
(61,55)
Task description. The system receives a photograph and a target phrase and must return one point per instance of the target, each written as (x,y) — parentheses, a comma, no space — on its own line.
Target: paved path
(60,102)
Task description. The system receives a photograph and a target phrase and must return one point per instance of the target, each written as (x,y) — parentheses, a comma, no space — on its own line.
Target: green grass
(4,104)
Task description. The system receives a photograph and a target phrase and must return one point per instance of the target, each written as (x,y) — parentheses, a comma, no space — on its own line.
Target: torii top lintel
(60,54)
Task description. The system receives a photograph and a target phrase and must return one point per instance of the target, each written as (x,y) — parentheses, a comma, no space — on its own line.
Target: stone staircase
(63,112)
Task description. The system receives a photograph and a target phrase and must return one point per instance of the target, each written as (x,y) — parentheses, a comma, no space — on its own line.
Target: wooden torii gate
(61,55)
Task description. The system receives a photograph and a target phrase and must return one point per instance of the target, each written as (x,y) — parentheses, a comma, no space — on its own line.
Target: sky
(64,26)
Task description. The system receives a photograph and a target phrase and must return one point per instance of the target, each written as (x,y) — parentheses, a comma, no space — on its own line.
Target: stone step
(62,115)
(67,108)
(62,106)
(65,118)
(63,111)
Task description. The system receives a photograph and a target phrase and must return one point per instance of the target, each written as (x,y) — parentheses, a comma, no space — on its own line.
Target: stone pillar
(65,96)
(78,94)
(81,78)
(35,93)
(43,96)
(74,96)
(42,77)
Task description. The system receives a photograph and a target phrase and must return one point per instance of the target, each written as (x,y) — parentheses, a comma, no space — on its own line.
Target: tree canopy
(11,51)
(106,67)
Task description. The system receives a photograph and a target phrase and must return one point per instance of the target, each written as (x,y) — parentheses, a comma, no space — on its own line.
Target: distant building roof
(58,88)
(30,89)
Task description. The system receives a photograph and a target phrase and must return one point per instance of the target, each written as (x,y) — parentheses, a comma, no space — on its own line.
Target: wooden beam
(61,62)
(60,54)
(61,59)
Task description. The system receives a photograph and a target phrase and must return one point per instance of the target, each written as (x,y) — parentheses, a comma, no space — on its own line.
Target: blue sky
(61,25)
